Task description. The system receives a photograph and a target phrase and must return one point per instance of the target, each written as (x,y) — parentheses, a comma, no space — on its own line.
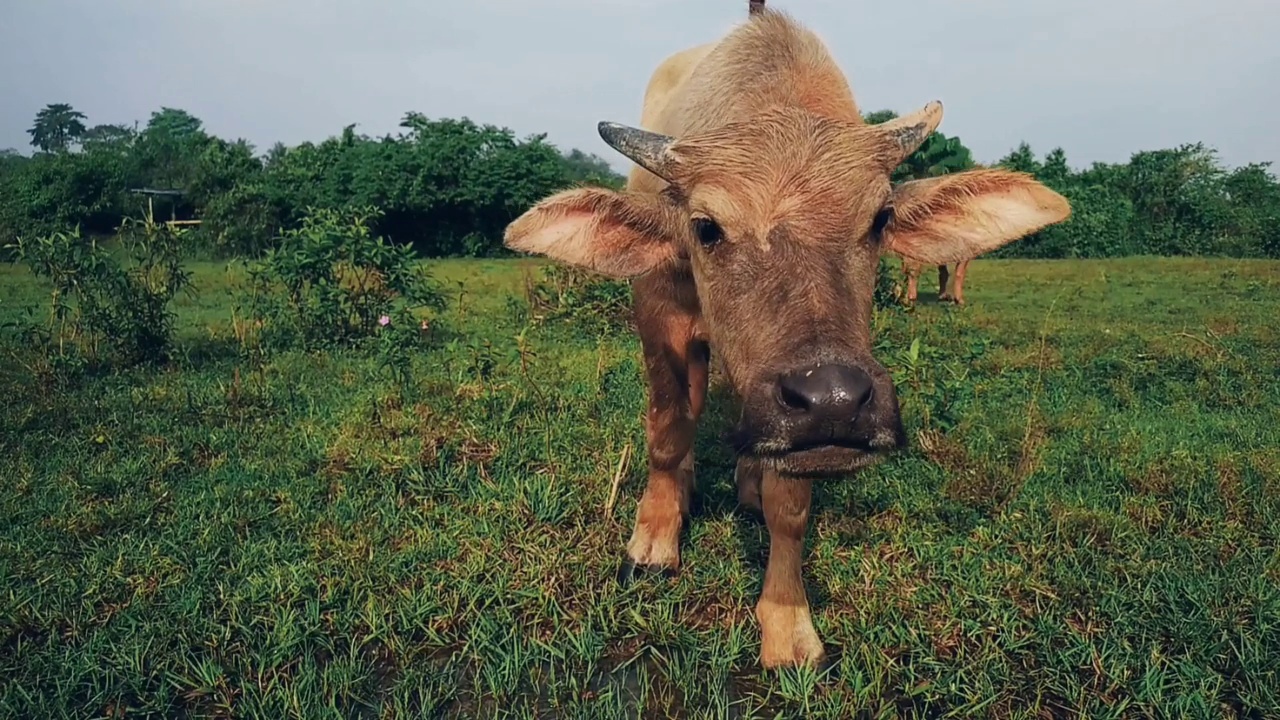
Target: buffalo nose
(829,391)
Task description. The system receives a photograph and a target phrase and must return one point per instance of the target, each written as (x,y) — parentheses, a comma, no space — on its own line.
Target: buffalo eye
(881,220)
(707,231)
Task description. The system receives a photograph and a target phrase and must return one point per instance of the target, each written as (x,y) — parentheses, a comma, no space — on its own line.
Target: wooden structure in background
(153,193)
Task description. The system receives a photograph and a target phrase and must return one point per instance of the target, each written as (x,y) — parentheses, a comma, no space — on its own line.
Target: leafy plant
(941,389)
(97,303)
(481,358)
(586,299)
(329,281)
(888,291)
(400,335)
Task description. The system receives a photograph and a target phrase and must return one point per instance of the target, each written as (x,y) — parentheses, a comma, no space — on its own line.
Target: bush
(241,221)
(330,281)
(589,300)
(97,303)
(888,291)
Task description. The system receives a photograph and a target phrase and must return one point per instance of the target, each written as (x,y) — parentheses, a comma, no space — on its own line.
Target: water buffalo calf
(752,222)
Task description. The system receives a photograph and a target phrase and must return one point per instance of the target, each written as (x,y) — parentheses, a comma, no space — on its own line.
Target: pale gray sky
(1101,78)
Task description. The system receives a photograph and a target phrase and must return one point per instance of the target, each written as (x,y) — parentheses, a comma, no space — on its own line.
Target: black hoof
(629,572)
(830,661)
(750,513)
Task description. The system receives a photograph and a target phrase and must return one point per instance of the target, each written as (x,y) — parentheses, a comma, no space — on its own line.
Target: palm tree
(56,126)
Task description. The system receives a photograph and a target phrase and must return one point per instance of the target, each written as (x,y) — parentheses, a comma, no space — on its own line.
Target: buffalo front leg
(787,636)
(957,293)
(677,388)
(943,272)
(912,272)
(747,477)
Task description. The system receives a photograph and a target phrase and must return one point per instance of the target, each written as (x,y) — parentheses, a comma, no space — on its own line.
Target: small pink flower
(384,320)
(424,325)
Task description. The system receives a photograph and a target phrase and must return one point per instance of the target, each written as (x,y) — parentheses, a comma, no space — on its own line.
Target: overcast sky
(1101,78)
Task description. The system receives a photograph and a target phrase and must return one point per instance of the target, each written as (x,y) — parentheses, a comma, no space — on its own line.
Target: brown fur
(770,146)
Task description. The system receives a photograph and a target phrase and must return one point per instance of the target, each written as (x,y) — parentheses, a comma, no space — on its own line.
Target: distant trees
(938,155)
(446,186)
(449,186)
(169,148)
(592,169)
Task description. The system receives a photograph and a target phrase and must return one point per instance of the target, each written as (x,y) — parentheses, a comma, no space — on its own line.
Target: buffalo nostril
(792,397)
(863,397)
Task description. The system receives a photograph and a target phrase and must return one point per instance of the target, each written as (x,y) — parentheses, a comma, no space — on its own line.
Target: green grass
(1086,522)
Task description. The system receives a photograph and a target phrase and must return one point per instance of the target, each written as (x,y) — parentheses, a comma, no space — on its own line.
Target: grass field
(1086,522)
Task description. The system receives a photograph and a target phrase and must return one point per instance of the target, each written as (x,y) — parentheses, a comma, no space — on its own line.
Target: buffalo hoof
(787,637)
(629,572)
(750,512)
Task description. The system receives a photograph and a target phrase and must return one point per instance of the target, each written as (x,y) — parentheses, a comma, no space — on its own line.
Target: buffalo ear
(960,216)
(616,234)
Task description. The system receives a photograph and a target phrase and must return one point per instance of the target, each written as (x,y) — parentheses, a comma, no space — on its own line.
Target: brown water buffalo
(753,224)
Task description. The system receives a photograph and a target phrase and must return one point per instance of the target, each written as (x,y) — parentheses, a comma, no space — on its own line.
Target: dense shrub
(889,290)
(588,300)
(330,281)
(101,308)
(242,221)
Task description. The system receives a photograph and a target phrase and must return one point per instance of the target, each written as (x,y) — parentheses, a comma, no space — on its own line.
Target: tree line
(449,186)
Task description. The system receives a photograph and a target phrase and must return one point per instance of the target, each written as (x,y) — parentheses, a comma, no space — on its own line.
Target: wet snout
(823,402)
(822,417)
